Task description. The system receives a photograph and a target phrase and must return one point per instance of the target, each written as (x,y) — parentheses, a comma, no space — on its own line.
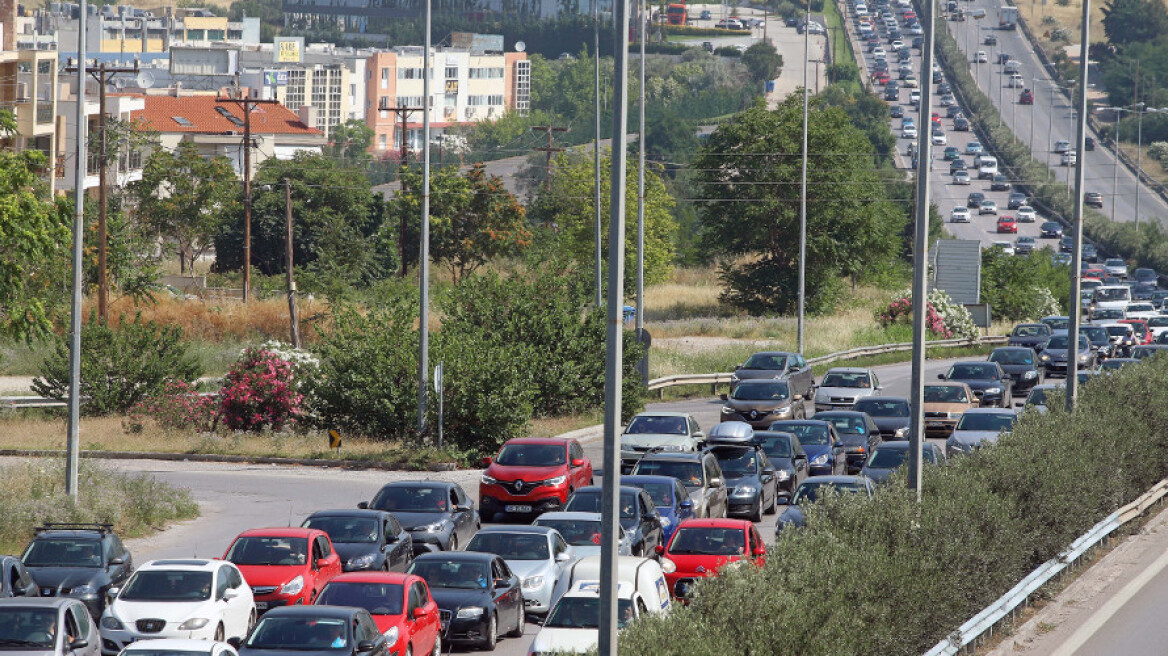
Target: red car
(700,546)
(284,566)
(400,604)
(881,77)
(1006,223)
(533,475)
(1027,97)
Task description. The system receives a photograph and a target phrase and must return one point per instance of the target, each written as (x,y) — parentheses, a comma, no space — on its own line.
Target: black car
(365,539)
(825,452)
(750,479)
(812,489)
(857,432)
(788,458)
(973,201)
(890,455)
(918,42)
(478,596)
(1144,274)
(1000,183)
(944,88)
(791,21)
(1067,244)
(892,94)
(638,515)
(438,515)
(1017,199)
(82,561)
(1051,229)
(1054,356)
(896,111)
(1021,365)
(1089,143)
(1142,291)
(989,383)
(991,40)
(891,414)
(15,581)
(314,631)
(1158,298)
(1099,339)
(1089,253)
(957,165)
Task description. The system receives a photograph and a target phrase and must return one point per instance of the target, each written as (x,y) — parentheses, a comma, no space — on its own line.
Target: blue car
(821,443)
(669,497)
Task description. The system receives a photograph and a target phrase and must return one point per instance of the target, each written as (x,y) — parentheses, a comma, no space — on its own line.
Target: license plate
(934,424)
(261,605)
(517,509)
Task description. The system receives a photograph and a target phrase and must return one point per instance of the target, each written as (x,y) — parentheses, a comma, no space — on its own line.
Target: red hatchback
(533,475)
(400,604)
(1007,223)
(700,546)
(284,566)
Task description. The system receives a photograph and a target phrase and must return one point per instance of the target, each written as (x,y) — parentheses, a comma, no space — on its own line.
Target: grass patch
(841,46)
(136,504)
(1070,17)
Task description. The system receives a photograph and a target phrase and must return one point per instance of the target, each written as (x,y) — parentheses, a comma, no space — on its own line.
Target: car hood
(67,577)
(1017,369)
(890,423)
(1060,354)
(646,440)
(766,404)
(852,439)
(413,520)
(526,568)
(455,598)
(244,651)
(975,438)
(171,611)
(350,550)
(947,407)
(843,392)
(979,384)
(877,475)
(265,575)
(700,564)
(515,472)
(758,374)
(748,479)
(565,641)
(792,516)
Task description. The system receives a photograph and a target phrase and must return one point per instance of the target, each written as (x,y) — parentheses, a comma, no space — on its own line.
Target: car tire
(774,507)
(492,637)
(251,621)
(519,624)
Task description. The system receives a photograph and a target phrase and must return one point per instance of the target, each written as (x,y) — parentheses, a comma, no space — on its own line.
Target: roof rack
(100,527)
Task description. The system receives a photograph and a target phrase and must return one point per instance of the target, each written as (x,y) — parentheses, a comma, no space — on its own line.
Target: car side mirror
(659,549)
(577,462)
(686,505)
(800,456)
(768,471)
(486,461)
(699,435)
(878,388)
(419,612)
(230,593)
(114,562)
(112,592)
(502,583)
(364,646)
(465,506)
(716,482)
(364,505)
(322,562)
(563,557)
(724,396)
(737,367)
(78,644)
(798,397)
(940,376)
(759,551)
(1019,404)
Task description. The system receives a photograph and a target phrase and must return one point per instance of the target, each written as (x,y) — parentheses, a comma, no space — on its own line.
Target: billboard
(203,61)
(275,78)
(288,49)
(477,42)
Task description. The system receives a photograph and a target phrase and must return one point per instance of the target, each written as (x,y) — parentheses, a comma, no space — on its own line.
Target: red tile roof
(210,115)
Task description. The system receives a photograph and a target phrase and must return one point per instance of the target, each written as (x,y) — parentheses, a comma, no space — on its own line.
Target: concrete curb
(223,458)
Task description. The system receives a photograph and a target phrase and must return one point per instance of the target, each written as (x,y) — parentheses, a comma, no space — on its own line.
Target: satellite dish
(145,79)
(520,46)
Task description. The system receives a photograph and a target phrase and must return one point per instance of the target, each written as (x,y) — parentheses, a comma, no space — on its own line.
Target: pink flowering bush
(259,392)
(177,407)
(899,310)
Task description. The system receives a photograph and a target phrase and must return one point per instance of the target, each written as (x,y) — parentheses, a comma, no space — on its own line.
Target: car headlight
(668,566)
(470,612)
(993,390)
(1044,357)
(1030,374)
(391,636)
(489,480)
(532,582)
(1082,358)
(901,432)
(86,590)
(193,624)
(954,415)
(671,447)
(782,475)
(558,480)
(745,491)
(293,587)
(362,561)
(111,622)
(820,459)
(727,410)
(435,527)
(782,412)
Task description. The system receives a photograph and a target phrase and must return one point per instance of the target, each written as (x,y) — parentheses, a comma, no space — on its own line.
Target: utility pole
(643,364)
(102,73)
(596,228)
(73,439)
(424,239)
(549,149)
(403,113)
(1076,306)
(801,325)
(292,314)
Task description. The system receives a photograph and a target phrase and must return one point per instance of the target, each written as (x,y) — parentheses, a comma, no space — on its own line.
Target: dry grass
(1151,168)
(1070,17)
(551,426)
(226,320)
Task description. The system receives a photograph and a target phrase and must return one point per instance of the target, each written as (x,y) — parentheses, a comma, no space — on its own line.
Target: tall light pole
(1139,108)
(596,228)
(424,241)
(1077,246)
(73,443)
(803,189)
(643,365)
(610,528)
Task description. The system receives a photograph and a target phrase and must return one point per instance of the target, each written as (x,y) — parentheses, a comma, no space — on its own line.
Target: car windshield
(299,633)
(167,585)
(1140,307)
(533,455)
(810,491)
(737,461)
(63,552)
(1097,334)
(453,574)
(584,613)
(660,493)
(1032,331)
(377,598)
(1012,357)
(945,394)
(269,551)
(1108,313)
(27,629)
(986,421)
(144,651)
(807,433)
(1158,322)
(1057,323)
(708,541)
(412,499)
(768,391)
(1112,294)
(877,407)
(1119,331)
(1113,262)
(1139,328)
(1141,352)
(346,530)
(775,446)
(657,425)
(973,371)
(590,501)
(1108,365)
(576,532)
(766,361)
(886,458)
(688,472)
(846,379)
(1060,342)
(846,424)
(511,546)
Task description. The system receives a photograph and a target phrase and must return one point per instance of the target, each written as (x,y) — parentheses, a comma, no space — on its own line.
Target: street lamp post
(1140,111)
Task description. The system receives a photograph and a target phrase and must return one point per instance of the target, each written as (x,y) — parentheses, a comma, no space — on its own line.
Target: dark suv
(82,561)
(989,383)
(701,475)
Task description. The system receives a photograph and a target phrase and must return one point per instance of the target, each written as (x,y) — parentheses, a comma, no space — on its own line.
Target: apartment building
(31,94)
(124,165)
(125,30)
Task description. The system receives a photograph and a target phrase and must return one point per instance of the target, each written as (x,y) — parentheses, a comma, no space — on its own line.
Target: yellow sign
(451,86)
(288,51)
(334,438)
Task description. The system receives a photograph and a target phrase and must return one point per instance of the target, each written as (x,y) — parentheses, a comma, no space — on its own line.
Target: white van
(1111,297)
(1013,66)
(987,168)
(644,576)
(573,627)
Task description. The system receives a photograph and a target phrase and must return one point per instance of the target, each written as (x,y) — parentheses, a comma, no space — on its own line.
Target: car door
(365,629)
(799,460)
(757,545)
(332,564)
(429,626)
(462,514)
(582,474)
(119,563)
(81,626)
(680,496)
(650,522)
(508,597)
(560,546)
(695,431)
(398,544)
(236,607)
(717,500)
(838,459)
(874,438)
(800,374)
(766,476)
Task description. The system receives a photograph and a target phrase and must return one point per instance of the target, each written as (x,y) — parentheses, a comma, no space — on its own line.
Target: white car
(573,625)
(909,132)
(1026,214)
(1070,158)
(939,139)
(1016,82)
(537,555)
(191,598)
(1004,246)
(960,214)
(981,57)
(879,51)
(961,177)
(581,530)
(911,82)
(914,98)
(1062,146)
(1141,310)
(178,647)
(1157,324)
(987,207)
(1115,266)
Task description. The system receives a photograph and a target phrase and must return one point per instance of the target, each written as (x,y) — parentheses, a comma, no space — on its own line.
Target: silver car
(662,431)
(841,386)
(977,427)
(48,626)
(536,554)
(581,530)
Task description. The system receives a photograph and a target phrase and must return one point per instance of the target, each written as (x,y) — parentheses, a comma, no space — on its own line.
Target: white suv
(196,598)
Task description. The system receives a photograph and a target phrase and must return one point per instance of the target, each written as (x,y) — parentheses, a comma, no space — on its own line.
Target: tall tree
(763,61)
(1128,21)
(750,185)
(183,197)
(351,141)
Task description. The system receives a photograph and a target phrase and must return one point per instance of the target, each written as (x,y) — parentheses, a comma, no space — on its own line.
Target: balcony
(45,114)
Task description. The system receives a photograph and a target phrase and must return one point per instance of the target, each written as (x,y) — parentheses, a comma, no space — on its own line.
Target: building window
(384,78)
(409,73)
(495,100)
(476,101)
(489,73)
(522,91)
(409,101)
(451,72)
(381,142)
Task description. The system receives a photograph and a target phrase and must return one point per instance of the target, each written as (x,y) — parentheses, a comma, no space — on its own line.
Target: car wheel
(251,619)
(437,646)
(492,637)
(518,632)
(409,650)
(453,542)
(756,515)
(774,507)
(219,633)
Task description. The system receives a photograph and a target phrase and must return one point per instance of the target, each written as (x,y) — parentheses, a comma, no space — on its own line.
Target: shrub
(1159,151)
(178,407)
(119,366)
(259,392)
(944,319)
(727,51)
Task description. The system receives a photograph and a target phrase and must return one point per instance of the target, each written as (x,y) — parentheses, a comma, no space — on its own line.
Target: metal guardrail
(850,354)
(985,620)
(28,402)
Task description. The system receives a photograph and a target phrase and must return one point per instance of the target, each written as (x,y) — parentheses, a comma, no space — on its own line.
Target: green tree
(34,241)
(184,197)
(1017,288)
(750,190)
(350,144)
(1128,21)
(763,61)
(569,206)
